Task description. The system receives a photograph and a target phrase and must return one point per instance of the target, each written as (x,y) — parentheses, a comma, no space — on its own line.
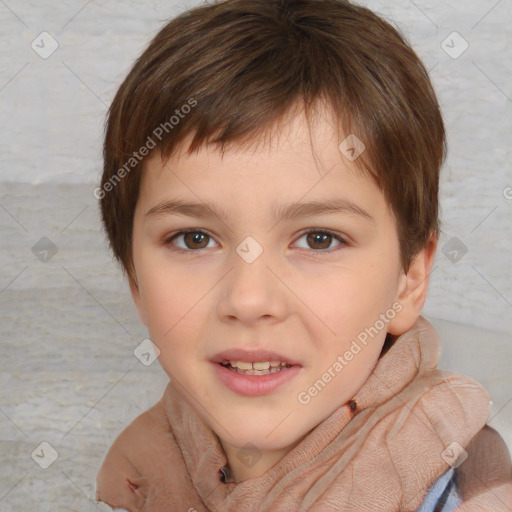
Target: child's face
(199,296)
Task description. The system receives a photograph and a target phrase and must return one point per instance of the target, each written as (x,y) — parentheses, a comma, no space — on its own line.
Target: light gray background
(68,375)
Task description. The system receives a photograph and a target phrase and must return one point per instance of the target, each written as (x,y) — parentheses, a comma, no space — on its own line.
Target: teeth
(257,372)
(243,365)
(257,368)
(265,365)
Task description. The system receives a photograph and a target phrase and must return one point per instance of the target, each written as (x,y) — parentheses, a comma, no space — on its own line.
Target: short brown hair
(238,66)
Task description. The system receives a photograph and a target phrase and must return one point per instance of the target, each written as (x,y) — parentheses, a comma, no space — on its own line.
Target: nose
(252,293)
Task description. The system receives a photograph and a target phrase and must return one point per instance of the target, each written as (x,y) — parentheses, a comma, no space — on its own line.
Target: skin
(306,298)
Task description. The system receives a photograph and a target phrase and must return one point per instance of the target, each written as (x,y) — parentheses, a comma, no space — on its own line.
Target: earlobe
(412,290)
(135,291)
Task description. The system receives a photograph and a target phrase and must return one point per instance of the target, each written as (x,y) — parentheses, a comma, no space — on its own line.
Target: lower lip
(254,385)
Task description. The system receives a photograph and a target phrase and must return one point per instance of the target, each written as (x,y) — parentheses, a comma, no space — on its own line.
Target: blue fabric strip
(443,495)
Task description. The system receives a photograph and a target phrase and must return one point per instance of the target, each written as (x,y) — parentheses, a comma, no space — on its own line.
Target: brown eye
(191,240)
(195,240)
(319,240)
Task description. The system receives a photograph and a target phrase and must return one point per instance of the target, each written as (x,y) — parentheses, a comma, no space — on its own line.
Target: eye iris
(319,240)
(196,240)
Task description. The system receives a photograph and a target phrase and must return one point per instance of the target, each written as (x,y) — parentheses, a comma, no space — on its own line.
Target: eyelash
(335,237)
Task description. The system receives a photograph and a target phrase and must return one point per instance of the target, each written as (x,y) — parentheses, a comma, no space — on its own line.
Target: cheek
(164,298)
(176,306)
(172,325)
(351,298)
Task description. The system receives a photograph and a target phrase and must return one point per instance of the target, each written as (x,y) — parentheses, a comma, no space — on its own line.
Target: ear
(135,291)
(412,289)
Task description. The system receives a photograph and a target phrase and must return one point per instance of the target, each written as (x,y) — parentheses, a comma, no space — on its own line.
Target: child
(271,189)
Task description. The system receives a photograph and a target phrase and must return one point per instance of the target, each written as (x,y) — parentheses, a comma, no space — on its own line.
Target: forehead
(297,157)
(297,131)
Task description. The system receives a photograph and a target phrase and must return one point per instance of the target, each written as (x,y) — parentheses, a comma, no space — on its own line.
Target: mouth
(257,368)
(254,373)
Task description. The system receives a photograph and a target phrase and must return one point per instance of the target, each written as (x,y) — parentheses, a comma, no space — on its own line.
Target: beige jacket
(410,423)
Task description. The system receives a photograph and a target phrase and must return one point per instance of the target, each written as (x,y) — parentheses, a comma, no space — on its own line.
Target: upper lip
(252,356)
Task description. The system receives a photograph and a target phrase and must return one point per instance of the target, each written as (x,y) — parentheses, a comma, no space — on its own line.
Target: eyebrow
(281,212)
